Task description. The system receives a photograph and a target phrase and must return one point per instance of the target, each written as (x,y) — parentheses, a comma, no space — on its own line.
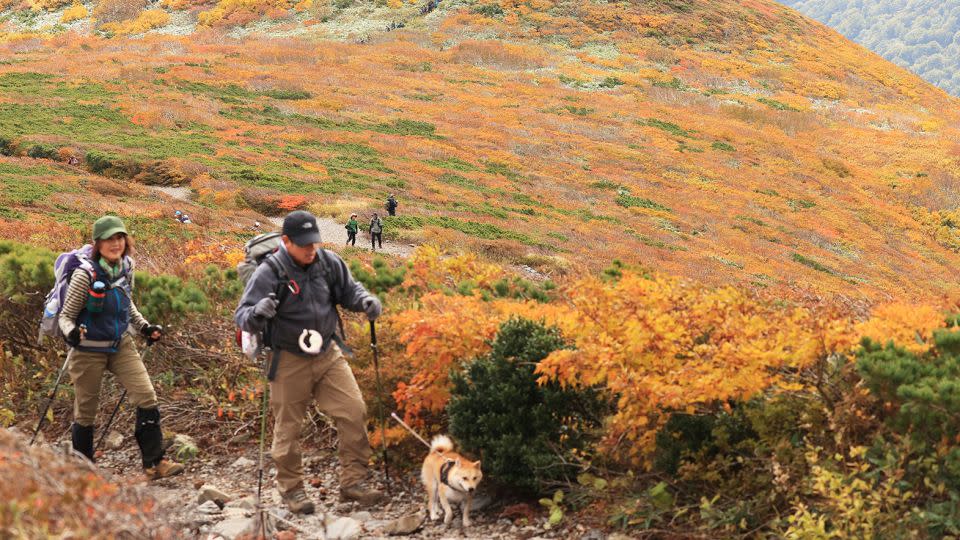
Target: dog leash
(410,429)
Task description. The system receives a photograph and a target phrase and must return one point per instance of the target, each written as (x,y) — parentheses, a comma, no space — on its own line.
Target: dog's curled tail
(441,444)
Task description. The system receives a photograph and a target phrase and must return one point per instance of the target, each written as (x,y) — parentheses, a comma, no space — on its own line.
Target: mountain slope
(723,141)
(920,35)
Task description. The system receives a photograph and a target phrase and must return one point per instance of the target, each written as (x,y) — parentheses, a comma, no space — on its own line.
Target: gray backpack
(255,251)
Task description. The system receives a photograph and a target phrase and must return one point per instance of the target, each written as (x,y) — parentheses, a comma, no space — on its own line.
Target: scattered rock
(183,448)
(209,507)
(408,524)
(362,516)
(246,503)
(240,438)
(619,536)
(114,440)
(593,534)
(316,482)
(212,493)
(243,463)
(342,528)
(232,528)
(286,535)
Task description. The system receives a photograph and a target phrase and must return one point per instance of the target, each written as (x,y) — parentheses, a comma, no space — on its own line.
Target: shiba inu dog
(448,478)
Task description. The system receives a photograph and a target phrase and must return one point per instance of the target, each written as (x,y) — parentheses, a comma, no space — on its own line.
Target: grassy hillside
(725,141)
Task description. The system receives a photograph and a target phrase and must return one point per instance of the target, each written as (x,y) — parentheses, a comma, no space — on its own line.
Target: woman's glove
(148,332)
(73,338)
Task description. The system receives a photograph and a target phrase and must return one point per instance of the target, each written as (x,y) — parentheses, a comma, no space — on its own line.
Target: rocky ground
(216,498)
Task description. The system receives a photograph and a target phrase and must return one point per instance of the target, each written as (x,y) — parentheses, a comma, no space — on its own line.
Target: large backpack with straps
(63,269)
(261,249)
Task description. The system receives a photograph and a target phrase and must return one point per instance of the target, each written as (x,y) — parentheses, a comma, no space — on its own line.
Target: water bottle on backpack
(96,296)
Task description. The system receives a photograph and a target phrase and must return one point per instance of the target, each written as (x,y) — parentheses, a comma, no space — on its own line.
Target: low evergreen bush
(525,433)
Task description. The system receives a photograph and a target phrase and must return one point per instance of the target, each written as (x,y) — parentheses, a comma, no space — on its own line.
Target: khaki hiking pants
(86,370)
(327,379)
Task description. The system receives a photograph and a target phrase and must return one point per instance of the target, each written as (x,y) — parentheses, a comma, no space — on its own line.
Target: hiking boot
(297,501)
(164,469)
(363,496)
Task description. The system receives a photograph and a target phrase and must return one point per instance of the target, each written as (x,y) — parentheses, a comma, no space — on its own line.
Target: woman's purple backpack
(63,268)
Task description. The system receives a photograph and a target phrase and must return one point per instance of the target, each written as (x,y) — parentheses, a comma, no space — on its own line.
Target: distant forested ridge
(920,35)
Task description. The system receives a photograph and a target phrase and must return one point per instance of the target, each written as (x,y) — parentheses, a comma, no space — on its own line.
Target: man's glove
(372,307)
(73,338)
(148,330)
(266,307)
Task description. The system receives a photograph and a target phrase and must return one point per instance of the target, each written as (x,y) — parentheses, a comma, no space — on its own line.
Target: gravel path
(235,476)
(179,193)
(333,232)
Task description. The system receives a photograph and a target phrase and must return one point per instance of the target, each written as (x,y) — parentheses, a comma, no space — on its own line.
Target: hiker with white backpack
(94,311)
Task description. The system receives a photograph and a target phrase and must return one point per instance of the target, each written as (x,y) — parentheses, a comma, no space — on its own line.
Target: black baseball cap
(301,228)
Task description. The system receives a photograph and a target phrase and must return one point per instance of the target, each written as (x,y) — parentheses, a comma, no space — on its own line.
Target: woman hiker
(352,227)
(97,312)
(376,232)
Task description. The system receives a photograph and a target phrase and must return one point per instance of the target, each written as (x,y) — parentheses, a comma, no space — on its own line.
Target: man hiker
(352,227)
(299,324)
(376,232)
(392,205)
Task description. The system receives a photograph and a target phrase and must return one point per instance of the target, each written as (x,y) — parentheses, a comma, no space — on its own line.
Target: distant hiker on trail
(376,232)
(256,225)
(391,205)
(181,217)
(352,227)
(299,324)
(97,313)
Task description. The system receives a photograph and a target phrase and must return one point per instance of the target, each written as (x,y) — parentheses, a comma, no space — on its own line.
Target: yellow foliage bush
(908,326)
(74,13)
(148,20)
(226,9)
(852,502)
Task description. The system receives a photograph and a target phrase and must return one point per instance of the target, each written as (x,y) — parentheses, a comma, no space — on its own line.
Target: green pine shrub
(382,279)
(160,297)
(26,271)
(525,433)
(923,389)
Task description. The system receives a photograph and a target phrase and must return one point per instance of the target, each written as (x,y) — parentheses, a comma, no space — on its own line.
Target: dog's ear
(477,464)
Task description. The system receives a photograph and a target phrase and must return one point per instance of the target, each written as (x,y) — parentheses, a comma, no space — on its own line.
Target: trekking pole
(271,371)
(263,435)
(383,425)
(53,394)
(123,395)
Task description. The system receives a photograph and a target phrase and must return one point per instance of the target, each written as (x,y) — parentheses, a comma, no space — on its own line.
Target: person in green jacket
(352,227)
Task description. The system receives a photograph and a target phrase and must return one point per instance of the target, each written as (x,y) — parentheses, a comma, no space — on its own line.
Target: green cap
(107,226)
